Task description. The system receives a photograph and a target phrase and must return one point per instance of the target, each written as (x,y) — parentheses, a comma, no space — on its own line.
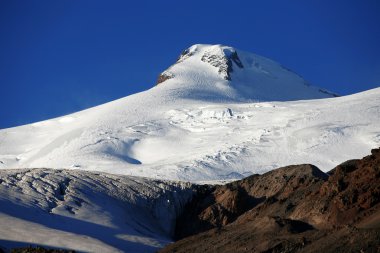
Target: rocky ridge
(292,209)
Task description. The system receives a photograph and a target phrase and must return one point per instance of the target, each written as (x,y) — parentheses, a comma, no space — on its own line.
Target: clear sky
(58,57)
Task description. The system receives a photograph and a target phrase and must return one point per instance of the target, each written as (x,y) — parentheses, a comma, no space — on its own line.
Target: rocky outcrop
(228,202)
(291,209)
(38,249)
(164,76)
(185,54)
(222,59)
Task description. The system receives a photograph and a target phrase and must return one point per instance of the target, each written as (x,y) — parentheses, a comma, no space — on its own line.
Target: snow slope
(218,113)
(88,212)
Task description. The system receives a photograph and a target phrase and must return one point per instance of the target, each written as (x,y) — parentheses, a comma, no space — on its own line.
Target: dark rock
(184,55)
(224,62)
(223,205)
(291,209)
(163,77)
(39,249)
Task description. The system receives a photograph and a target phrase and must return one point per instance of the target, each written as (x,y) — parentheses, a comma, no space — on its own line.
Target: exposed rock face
(226,203)
(166,75)
(184,55)
(37,249)
(291,209)
(222,59)
(352,189)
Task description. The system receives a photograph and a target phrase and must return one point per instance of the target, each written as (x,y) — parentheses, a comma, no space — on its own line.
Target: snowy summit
(225,73)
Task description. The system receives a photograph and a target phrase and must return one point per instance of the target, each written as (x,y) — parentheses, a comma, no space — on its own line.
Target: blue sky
(58,57)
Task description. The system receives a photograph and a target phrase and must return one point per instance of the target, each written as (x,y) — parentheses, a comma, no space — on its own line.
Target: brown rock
(163,77)
(291,209)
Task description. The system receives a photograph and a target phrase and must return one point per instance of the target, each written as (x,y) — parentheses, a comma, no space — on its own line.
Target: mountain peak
(226,73)
(219,56)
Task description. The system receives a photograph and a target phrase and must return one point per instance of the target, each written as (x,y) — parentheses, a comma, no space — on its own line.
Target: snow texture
(88,212)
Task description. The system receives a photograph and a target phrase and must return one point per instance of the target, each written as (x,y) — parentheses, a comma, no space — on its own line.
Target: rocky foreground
(291,209)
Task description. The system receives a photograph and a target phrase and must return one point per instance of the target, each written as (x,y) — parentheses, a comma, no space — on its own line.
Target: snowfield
(217,114)
(88,212)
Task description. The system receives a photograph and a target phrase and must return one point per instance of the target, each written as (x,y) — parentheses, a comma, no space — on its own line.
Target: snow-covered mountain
(218,113)
(206,121)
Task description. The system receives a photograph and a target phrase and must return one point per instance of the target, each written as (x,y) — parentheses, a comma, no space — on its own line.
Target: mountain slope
(198,124)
